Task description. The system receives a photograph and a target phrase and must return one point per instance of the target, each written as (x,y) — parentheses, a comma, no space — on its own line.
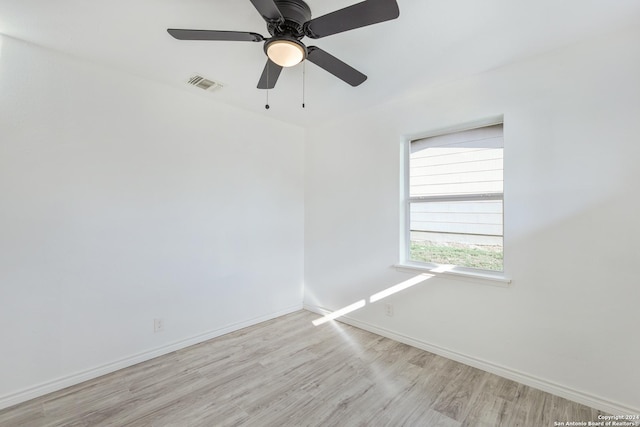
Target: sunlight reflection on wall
(374,298)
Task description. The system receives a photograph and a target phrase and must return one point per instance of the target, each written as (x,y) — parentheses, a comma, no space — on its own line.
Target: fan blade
(336,67)
(269,75)
(215,35)
(268,10)
(359,15)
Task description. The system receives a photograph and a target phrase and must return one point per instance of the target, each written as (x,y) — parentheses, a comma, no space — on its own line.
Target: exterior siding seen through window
(456,199)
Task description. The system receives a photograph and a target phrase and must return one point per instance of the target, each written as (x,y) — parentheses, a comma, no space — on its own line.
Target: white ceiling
(432,41)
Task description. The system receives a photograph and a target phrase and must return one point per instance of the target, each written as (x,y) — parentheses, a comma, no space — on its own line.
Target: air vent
(202,83)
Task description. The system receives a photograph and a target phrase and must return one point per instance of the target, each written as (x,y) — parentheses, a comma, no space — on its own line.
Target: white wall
(569,321)
(122,201)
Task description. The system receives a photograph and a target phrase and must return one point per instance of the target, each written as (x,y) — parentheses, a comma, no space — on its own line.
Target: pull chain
(267,104)
(304,75)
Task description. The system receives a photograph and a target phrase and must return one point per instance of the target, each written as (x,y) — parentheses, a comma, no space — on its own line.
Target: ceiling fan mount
(288,21)
(295,14)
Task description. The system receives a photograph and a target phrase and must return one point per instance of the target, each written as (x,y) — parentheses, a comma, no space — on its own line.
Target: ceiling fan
(288,21)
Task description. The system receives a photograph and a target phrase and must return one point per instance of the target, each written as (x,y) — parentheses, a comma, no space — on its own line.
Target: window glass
(456,199)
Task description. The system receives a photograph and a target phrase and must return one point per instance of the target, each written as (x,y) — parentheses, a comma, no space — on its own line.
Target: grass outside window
(482,257)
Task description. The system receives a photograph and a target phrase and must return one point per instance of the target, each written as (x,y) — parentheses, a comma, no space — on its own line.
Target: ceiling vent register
(203,83)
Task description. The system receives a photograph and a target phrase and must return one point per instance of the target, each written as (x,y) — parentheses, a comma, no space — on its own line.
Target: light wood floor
(286,372)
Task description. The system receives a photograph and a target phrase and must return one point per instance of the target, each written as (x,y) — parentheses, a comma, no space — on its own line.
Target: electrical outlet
(158,325)
(388,309)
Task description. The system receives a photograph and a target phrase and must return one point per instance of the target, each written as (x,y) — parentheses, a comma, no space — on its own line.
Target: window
(455,199)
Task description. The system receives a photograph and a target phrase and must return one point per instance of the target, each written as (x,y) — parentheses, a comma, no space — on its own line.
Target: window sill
(488,277)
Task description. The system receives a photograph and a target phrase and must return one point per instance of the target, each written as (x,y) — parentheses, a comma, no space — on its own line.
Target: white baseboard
(79,377)
(592,401)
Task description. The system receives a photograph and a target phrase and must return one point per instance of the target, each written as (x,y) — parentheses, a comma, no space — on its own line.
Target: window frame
(406,264)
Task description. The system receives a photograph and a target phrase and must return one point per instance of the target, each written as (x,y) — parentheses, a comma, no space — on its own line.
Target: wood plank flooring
(286,372)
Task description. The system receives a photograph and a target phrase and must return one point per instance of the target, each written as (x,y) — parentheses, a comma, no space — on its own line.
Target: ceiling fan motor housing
(296,13)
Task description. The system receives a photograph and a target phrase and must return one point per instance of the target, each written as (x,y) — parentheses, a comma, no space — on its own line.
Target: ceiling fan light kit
(288,21)
(285,53)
